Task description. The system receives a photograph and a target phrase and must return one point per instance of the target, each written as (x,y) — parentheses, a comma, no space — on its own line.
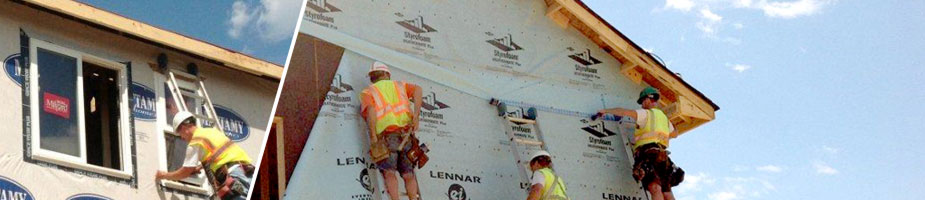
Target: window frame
(163,128)
(80,162)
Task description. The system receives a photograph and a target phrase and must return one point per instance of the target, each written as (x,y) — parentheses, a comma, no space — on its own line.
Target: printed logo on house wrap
(505,52)
(416,32)
(520,129)
(432,114)
(234,125)
(600,140)
(456,192)
(363,180)
(13,68)
(339,98)
(610,196)
(10,189)
(317,12)
(144,102)
(88,197)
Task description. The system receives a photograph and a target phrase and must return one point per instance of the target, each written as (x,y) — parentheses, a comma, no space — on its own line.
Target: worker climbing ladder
(521,118)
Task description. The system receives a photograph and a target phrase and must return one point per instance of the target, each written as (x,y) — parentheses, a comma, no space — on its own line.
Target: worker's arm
(418,102)
(535,191)
(674,134)
(180,174)
(619,112)
(370,116)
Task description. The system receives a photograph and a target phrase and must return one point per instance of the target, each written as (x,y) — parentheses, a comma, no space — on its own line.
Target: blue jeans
(238,175)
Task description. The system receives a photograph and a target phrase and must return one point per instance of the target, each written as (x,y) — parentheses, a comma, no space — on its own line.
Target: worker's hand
(159,175)
(414,125)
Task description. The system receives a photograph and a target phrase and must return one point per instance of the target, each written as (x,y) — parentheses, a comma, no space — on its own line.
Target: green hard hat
(648,92)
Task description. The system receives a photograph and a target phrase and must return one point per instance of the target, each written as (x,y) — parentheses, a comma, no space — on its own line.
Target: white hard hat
(379,66)
(538,154)
(180,117)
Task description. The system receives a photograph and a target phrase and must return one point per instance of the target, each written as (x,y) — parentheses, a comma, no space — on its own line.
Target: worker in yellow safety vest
(545,184)
(392,121)
(228,165)
(650,144)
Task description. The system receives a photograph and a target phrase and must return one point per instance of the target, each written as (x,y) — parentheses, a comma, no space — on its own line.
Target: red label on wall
(57,105)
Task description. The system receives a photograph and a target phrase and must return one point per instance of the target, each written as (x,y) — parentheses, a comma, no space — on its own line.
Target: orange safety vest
(219,150)
(393,110)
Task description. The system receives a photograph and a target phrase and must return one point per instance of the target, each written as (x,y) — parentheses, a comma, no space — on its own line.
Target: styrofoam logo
(234,125)
(143,102)
(322,6)
(13,68)
(12,190)
(88,197)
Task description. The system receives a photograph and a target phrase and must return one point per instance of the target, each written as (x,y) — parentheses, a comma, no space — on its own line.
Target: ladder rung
(520,120)
(184,75)
(191,94)
(528,142)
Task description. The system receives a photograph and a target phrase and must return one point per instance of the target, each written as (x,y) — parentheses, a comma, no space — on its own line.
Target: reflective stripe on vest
(393,110)
(219,150)
(656,129)
(558,192)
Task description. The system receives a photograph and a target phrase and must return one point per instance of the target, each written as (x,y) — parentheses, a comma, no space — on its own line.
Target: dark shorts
(397,159)
(652,160)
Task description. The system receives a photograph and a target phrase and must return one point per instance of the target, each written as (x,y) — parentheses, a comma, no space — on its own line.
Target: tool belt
(224,185)
(417,153)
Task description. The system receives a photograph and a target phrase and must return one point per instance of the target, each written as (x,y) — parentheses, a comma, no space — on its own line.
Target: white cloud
(694,183)
(725,195)
(738,25)
(770,168)
(828,149)
(709,21)
(823,168)
(682,5)
(239,19)
(742,3)
(270,20)
(792,9)
(740,67)
(276,19)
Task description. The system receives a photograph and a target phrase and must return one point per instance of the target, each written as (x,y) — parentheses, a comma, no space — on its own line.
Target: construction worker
(545,185)
(386,106)
(650,143)
(229,165)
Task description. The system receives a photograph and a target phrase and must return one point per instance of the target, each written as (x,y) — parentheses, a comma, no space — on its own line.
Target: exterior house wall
(247,98)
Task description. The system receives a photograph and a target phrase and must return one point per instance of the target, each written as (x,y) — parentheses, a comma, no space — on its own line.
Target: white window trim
(79,162)
(163,127)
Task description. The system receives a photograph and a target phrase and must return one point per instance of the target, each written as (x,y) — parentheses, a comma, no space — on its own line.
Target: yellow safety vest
(212,141)
(656,129)
(558,193)
(393,110)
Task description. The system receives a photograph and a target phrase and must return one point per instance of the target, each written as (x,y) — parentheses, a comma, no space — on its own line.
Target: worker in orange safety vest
(392,120)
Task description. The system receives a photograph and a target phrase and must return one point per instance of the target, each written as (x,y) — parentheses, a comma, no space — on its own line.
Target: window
(174,148)
(80,110)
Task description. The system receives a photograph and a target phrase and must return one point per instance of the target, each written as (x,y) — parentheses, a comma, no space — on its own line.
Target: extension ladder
(200,94)
(520,118)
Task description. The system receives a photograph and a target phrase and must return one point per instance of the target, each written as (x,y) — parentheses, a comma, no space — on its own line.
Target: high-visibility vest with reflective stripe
(656,129)
(393,110)
(212,140)
(558,193)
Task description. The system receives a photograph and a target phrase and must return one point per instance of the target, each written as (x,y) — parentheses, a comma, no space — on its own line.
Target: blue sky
(821,99)
(262,29)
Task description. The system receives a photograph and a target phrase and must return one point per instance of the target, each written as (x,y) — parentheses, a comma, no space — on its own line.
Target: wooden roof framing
(686,107)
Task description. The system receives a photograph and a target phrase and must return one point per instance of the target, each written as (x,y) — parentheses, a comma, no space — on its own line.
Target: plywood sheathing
(225,57)
(686,107)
